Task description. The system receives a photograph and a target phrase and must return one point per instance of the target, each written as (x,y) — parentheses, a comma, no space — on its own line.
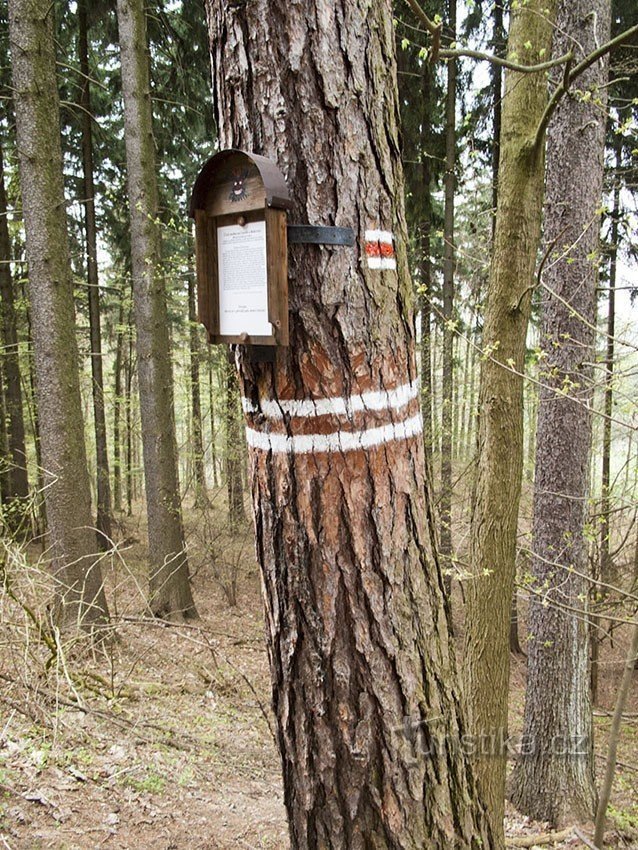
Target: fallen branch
(542,838)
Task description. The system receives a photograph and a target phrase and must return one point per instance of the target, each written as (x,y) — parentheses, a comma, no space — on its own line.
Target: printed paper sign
(243,281)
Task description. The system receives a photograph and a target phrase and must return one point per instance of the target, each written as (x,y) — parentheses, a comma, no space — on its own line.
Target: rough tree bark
(169,580)
(67,489)
(18,482)
(498,43)
(449,264)
(362,668)
(496,72)
(554,779)
(104,518)
(500,436)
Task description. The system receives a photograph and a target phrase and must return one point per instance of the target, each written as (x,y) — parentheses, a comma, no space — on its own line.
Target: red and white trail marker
(380,249)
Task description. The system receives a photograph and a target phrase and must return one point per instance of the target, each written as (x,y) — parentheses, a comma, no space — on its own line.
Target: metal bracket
(310,234)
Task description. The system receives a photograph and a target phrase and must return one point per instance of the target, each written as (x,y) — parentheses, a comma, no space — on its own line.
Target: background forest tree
(85,529)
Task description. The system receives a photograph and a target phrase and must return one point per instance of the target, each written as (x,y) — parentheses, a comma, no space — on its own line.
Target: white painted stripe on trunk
(384,236)
(382,263)
(337,406)
(338,441)
(248,406)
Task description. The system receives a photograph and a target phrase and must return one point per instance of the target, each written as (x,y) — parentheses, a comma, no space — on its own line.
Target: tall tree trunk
(233,452)
(213,424)
(117,407)
(609,380)
(500,440)
(449,262)
(169,580)
(551,783)
(465,397)
(603,568)
(357,626)
(67,486)
(614,735)
(498,46)
(197,448)
(32,407)
(515,644)
(475,341)
(104,517)
(5,458)
(128,413)
(426,269)
(18,482)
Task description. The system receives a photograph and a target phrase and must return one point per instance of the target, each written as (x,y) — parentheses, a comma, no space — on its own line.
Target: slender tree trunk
(67,490)
(515,644)
(471,415)
(234,456)
(435,348)
(117,408)
(603,568)
(361,664)
(197,448)
(426,269)
(500,440)
(169,580)
(461,404)
(5,457)
(32,406)
(104,516)
(128,412)
(614,735)
(608,406)
(18,482)
(449,262)
(556,783)
(213,425)
(498,45)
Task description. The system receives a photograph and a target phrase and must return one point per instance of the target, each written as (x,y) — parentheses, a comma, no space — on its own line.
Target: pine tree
(18,482)
(500,439)
(362,669)
(169,580)
(67,490)
(555,780)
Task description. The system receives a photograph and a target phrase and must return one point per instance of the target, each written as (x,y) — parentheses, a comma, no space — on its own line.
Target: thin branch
(431,27)
(539,273)
(505,63)
(569,78)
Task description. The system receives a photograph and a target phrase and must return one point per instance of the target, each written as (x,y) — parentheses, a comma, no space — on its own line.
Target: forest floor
(164,740)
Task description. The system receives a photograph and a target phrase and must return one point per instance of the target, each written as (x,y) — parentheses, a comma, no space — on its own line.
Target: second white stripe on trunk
(338,441)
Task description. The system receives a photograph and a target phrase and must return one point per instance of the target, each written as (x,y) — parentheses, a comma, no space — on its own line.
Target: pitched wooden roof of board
(277,194)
